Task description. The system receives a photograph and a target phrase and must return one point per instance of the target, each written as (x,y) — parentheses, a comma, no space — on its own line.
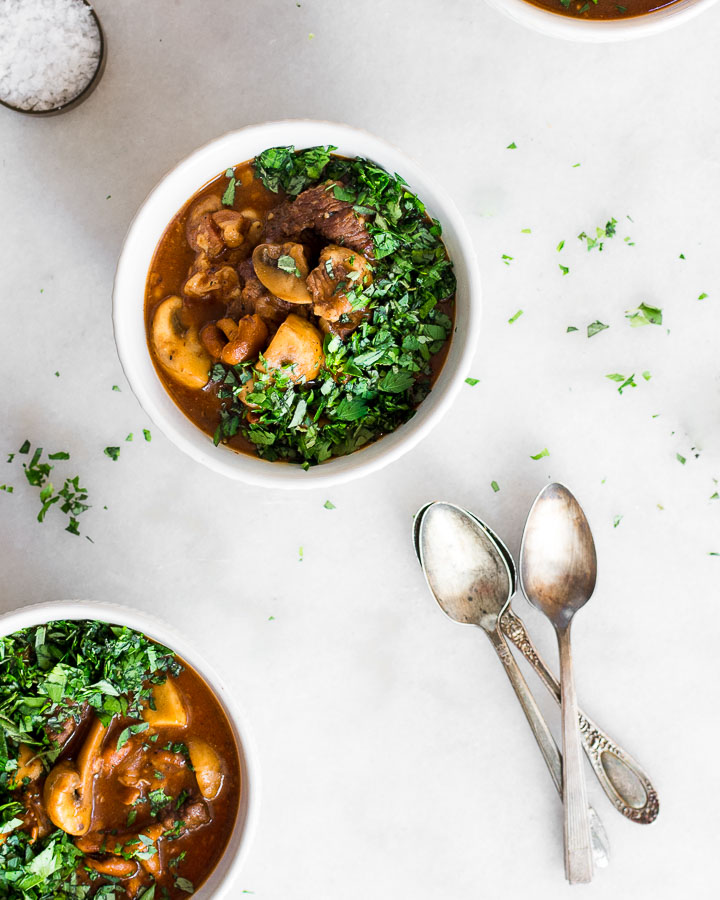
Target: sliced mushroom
(68,790)
(201,232)
(298,344)
(29,766)
(178,348)
(114,866)
(283,268)
(169,708)
(208,767)
(221,282)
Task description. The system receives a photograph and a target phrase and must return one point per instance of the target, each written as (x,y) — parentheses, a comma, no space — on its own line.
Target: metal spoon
(558,570)
(472,584)
(624,781)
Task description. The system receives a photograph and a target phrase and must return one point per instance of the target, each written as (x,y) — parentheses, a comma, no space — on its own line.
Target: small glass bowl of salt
(52,55)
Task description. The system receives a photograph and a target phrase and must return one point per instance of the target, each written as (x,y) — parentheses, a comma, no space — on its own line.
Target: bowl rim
(243,467)
(566,27)
(118,614)
(85,92)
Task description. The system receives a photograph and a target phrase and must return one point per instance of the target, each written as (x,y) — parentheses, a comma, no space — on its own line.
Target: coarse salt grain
(49,52)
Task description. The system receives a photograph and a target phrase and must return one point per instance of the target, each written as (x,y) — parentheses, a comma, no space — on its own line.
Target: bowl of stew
(126,769)
(296,303)
(600,21)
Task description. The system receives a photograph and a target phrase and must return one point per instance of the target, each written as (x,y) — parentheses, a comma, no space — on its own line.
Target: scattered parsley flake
(112,452)
(622,380)
(515,317)
(682,256)
(616,521)
(228,198)
(595,328)
(525,231)
(61,454)
(472,381)
(512,146)
(681,459)
(8,488)
(644,315)
(703,296)
(328,504)
(575,165)
(570,328)
(129,437)
(300,554)
(495,486)
(564,269)
(560,246)
(507,259)
(646,375)
(147,435)
(115,387)
(544,452)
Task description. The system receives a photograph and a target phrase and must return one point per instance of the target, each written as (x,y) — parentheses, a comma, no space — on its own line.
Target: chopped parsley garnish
(703,296)
(563,269)
(560,246)
(288,264)
(507,259)
(228,198)
(495,486)
(115,387)
(616,521)
(328,504)
(512,146)
(644,315)
(372,381)
(681,459)
(570,328)
(147,435)
(623,381)
(646,375)
(472,381)
(112,452)
(515,317)
(544,452)
(596,327)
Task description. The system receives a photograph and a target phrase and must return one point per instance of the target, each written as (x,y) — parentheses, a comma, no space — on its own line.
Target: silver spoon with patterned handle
(472,584)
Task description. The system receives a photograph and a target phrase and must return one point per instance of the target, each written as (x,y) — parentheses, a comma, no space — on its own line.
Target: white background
(396,762)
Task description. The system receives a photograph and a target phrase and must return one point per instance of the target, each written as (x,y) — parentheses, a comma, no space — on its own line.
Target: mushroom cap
(299,344)
(177,348)
(283,268)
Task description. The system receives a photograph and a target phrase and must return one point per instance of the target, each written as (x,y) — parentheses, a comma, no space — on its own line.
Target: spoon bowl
(558,563)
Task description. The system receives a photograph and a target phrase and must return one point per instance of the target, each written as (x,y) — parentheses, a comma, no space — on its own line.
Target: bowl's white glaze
(145,232)
(220,882)
(598,32)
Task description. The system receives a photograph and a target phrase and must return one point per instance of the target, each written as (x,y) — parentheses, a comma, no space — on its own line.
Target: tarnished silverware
(625,782)
(472,583)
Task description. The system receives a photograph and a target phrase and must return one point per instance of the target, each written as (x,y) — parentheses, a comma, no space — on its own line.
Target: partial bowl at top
(338,266)
(601,21)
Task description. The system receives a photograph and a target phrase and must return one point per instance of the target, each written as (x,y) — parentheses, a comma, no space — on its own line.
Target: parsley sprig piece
(373,381)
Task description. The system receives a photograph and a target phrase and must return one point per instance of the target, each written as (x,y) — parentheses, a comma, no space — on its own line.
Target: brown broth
(602,10)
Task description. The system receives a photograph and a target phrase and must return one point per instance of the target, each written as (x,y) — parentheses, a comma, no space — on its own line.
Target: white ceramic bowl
(220,882)
(145,232)
(598,32)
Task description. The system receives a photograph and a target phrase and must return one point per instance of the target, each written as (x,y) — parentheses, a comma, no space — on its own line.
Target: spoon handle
(578,847)
(627,786)
(545,740)
(536,720)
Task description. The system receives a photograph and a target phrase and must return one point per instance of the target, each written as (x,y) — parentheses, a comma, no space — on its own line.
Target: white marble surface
(396,762)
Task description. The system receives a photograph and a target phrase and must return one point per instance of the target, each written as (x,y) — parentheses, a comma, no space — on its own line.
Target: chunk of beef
(318,209)
(339,270)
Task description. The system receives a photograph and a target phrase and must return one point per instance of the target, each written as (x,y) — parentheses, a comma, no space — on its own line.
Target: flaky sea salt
(49,52)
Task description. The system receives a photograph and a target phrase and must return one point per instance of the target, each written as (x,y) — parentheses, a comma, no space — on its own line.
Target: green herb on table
(147,435)
(129,437)
(525,231)
(681,459)
(563,269)
(328,504)
(544,452)
(112,452)
(646,375)
(616,521)
(507,259)
(515,317)
(472,381)
(596,327)
(570,328)
(495,486)
(115,387)
(703,296)
(601,234)
(7,487)
(644,315)
(622,380)
(560,246)
(512,146)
